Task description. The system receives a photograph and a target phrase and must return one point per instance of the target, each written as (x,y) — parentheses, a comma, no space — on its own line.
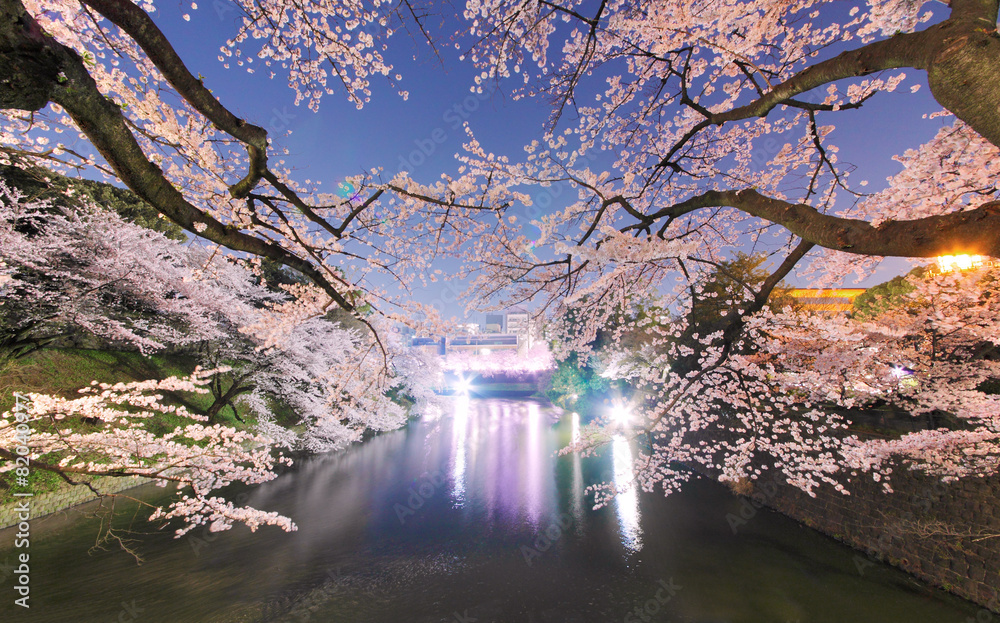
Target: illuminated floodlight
(462,385)
(905,377)
(949,263)
(621,414)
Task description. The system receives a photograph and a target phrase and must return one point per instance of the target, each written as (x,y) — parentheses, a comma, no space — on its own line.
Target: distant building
(511,329)
(482,342)
(518,322)
(829,301)
(495,323)
(432,345)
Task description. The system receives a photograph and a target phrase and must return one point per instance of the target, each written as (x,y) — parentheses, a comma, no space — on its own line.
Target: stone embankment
(946,534)
(67,497)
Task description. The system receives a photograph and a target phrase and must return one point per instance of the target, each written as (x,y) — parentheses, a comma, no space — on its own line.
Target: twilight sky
(424,132)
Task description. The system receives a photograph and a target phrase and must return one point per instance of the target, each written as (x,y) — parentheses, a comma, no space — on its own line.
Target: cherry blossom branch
(134,21)
(975,231)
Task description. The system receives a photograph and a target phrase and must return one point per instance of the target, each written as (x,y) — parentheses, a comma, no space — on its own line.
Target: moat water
(470,516)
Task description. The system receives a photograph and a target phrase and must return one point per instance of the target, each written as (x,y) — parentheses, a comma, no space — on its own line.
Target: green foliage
(572,382)
(642,322)
(729,287)
(883,297)
(276,274)
(41,183)
(63,372)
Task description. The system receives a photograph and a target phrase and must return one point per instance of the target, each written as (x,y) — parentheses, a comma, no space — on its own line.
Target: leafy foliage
(573,382)
(884,296)
(37,183)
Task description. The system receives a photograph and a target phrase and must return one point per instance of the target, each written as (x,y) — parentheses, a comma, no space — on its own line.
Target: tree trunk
(221,400)
(964,74)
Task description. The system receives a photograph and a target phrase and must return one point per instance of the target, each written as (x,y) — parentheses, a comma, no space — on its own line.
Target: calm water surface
(469,517)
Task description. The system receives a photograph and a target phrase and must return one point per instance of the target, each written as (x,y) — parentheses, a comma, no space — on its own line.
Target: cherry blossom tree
(930,351)
(332,379)
(86,268)
(205,168)
(77,267)
(199,459)
(685,131)
(688,132)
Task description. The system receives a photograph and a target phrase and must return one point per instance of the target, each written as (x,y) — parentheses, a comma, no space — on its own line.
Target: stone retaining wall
(46,503)
(945,534)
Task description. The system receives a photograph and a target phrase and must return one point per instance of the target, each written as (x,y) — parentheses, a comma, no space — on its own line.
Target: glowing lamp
(948,263)
(462,385)
(621,414)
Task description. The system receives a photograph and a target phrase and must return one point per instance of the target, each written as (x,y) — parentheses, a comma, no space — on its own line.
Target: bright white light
(948,263)
(459,434)
(627,500)
(462,385)
(900,371)
(621,414)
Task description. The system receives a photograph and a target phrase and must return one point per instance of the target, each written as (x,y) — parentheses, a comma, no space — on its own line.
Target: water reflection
(503,452)
(627,500)
(459,443)
(431,522)
(577,486)
(539,466)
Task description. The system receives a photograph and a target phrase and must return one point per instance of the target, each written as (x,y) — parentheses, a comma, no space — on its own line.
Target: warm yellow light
(948,263)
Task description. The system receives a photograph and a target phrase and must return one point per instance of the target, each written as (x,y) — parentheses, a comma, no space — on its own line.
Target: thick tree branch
(134,21)
(960,56)
(105,125)
(974,231)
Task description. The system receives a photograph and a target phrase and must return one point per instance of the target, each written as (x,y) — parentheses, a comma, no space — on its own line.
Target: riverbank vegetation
(678,139)
(190,379)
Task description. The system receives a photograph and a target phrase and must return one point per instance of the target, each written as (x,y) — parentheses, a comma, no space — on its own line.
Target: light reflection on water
(472,513)
(459,443)
(627,500)
(576,489)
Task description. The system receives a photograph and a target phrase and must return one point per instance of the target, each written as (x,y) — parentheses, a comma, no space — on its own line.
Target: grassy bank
(63,372)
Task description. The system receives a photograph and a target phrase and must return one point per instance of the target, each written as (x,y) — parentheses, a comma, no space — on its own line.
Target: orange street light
(948,263)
